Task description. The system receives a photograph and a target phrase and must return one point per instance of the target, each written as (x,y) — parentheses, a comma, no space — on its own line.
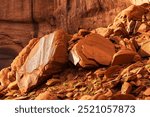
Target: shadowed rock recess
(75,50)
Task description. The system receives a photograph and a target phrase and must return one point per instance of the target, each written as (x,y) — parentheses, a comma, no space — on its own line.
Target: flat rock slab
(123,56)
(91,51)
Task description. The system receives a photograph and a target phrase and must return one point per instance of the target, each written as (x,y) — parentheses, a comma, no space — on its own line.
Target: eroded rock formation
(21,20)
(122,62)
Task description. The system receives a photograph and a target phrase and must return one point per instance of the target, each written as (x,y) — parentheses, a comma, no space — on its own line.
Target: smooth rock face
(46,57)
(52,14)
(8,51)
(92,51)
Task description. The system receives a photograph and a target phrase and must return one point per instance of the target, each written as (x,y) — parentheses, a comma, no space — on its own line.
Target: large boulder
(40,59)
(92,51)
(124,56)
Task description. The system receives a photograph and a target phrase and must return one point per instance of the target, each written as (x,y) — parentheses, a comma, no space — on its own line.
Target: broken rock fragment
(86,97)
(52,82)
(47,56)
(46,96)
(147,92)
(124,56)
(126,88)
(92,51)
(123,97)
(105,32)
(145,49)
(4,78)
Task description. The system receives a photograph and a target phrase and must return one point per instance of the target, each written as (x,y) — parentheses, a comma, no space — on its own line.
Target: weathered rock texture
(126,77)
(36,62)
(92,50)
(20,20)
(46,57)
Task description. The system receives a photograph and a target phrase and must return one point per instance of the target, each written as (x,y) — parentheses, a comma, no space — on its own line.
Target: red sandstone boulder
(124,56)
(47,56)
(92,51)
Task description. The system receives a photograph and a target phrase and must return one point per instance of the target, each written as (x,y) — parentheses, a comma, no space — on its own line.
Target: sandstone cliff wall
(21,20)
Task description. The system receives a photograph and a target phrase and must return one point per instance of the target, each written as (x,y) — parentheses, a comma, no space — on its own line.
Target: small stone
(147,98)
(86,97)
(13,86)
(99,91)
(89,73)
(80,84)
(110,84)
(10,93)
(69,95)
(52,82)
(126,88)
(147,92)
(83,89)
(123,97)
(138,83)
(76,94)
(145,49)
(70,90)
(99,97)
(21,98)
(83,32)
(46,96)
(109,93)
(139,76)
(99,73)
(111,71)
(144,27)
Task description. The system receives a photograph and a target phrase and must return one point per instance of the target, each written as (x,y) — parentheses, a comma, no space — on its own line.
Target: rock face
(39,59)
(21,20)
(8,51)
(36,15)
